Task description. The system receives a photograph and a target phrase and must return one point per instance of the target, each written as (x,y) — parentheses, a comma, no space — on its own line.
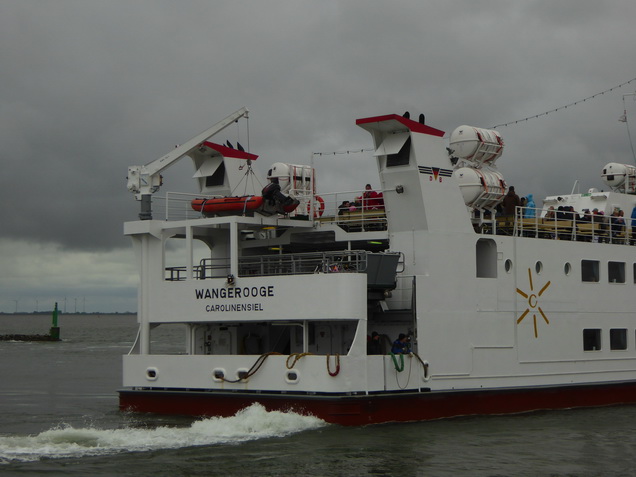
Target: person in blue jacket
(530,206)
(401,345)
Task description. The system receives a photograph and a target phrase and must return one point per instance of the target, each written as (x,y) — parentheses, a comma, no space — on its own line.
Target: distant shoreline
(3,313)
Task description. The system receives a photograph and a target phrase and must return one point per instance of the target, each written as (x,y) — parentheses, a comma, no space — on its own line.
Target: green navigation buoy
(55,330)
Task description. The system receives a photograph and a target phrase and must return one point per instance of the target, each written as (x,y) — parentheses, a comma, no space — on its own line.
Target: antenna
(623,119)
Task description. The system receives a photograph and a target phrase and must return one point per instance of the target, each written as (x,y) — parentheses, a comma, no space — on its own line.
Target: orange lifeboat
(227,205)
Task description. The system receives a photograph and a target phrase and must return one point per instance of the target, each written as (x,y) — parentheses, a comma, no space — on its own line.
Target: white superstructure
(280,308)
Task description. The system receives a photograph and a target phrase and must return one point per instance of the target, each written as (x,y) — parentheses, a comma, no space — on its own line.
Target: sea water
(59,416)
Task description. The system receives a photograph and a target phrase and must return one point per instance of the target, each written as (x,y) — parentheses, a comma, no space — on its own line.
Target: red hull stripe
(409,123)
(386,407)
(229,152)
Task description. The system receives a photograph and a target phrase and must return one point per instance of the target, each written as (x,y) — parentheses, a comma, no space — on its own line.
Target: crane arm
(146,179)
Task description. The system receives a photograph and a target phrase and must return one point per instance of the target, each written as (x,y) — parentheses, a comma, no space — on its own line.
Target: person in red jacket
(372,199)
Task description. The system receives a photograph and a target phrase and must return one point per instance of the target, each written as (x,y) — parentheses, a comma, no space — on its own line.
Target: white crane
(145,180)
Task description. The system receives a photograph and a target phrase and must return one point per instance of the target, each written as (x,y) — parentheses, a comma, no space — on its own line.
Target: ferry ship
(278,304)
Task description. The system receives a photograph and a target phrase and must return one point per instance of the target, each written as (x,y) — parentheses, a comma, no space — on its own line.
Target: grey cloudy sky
(88,88)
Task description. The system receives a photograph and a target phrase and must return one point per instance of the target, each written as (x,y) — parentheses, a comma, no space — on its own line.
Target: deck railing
(361,215)
(304,263)
(527,222)
(352,261)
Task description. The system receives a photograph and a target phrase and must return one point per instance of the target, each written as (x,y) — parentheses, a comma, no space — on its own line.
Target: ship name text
(234,292)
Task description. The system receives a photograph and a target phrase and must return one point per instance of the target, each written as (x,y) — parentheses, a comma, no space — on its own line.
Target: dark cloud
(89,88)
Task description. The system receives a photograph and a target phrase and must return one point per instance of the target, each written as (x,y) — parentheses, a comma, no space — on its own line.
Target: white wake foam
(250,423)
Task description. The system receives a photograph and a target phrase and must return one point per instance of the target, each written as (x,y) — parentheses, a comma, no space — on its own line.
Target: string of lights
(569,105)
(337,153)
(564,106)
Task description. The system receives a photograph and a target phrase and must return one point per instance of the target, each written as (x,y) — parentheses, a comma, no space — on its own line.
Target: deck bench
(362,220)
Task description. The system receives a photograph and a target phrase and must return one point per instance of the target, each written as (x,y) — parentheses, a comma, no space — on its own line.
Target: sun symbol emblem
(533,304)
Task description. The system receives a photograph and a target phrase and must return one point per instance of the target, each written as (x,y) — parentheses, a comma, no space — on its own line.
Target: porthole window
(242,373)
(567,268)
(292,376)
(538,267)
(508,265)
(151,374)
(218,374)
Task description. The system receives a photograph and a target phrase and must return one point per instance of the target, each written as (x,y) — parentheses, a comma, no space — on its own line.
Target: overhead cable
(565,106)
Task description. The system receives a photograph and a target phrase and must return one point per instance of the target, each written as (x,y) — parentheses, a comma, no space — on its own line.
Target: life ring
(319,206)
(335,373)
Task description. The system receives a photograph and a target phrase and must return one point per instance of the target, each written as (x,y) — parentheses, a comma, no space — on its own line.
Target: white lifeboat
(621,177)
(476,145)
(480,188)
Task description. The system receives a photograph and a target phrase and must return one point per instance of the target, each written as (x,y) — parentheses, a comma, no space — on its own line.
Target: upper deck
(371,226)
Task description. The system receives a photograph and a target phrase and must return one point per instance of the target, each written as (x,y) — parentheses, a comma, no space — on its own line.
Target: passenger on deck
(617,223)
(344,207)
(550,213)
(564,231)
(529,212)
(595,216)
(374,346)
(360,201)
(371,199)
(586,217)
(401,345)
(377,202)
(510,202)
(560,213)
(602,221)
(573,214)
(356,204)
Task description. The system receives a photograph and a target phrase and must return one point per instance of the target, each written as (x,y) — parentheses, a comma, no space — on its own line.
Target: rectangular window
(616,272)
(590,271)
(634,273)
(618,338)
(592,340)
(218,178)
(486,254)
(401,158)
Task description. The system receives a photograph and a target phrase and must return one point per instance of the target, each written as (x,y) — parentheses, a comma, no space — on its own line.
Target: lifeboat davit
(227,205)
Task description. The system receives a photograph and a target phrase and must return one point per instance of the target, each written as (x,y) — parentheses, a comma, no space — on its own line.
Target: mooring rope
(252,371)
(296,357)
